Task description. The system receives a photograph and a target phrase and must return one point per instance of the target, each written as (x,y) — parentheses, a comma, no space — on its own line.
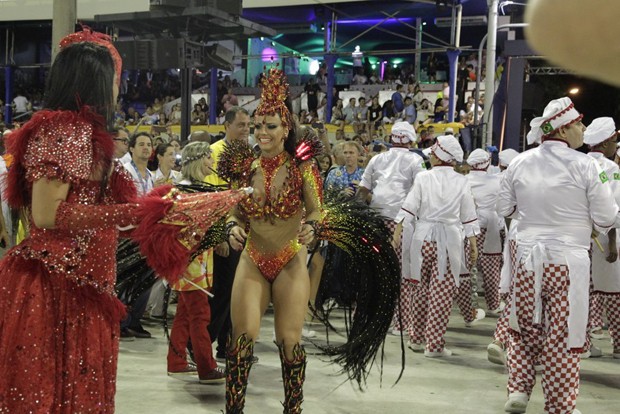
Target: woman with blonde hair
(193,310)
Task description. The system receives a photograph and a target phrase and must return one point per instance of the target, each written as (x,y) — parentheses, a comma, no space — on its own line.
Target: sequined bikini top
(287,202)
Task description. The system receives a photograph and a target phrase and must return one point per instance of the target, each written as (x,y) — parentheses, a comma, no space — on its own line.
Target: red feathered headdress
(273,97)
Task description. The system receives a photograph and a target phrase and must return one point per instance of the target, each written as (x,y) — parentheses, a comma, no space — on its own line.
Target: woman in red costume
(280,218)
(59,316)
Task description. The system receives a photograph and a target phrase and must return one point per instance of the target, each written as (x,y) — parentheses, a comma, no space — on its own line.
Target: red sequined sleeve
(60,151)
(312,190)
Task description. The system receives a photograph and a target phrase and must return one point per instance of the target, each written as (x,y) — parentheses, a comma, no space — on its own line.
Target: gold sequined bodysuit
(284,193)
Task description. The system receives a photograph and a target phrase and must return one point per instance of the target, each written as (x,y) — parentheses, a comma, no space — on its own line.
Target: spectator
(121,141)
(362,116)
(133,117)
(375,114)
(397,100)
(21,105)
(350,113)
(409,111)
(198,117)
(229,99)
(312,93)
(389,117)
(165,174)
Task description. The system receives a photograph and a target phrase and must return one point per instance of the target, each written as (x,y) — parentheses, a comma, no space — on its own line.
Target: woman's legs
(291,291)
(250,297)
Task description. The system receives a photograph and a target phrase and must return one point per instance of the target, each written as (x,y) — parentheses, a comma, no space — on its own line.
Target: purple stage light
(269,54)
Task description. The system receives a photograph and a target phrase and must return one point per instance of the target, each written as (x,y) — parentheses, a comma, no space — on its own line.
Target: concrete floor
(463,383)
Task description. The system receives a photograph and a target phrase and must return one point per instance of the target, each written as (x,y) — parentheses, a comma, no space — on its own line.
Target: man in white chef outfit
(443,207)
(387,180)
(485,188)
(559,195)
(505,157)
(601,136)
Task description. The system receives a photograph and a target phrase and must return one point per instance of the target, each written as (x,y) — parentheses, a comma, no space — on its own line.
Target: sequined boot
(293,375)
(238,365)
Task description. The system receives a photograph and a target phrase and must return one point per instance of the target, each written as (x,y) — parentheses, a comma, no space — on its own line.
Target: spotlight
(573,91)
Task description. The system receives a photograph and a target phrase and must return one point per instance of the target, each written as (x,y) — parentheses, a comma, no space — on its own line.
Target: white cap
(479,159)
(557,113)
(506,156)
(600,130)
(448,149)
(403,133)
(448,131)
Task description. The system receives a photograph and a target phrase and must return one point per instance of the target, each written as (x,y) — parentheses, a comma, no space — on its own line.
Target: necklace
(269,168)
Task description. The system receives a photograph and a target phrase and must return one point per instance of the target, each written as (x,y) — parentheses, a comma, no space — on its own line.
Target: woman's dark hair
(290,144)
(322,157)
(82,74)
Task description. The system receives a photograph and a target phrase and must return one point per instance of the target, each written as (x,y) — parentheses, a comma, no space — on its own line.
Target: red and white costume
(389,176)
(442,203)
(605,275)
(550,289)
(485,188)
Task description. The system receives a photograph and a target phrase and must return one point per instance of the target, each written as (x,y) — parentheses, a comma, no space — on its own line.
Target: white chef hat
(600,130)
(479,159)
(403,133)
(506,156)
(533,137)
(448,149)
(557,113)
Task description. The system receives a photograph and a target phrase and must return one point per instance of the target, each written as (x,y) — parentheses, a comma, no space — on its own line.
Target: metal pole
(8,94)
(213,97)
(330,59)
(64,17)
(489,82)
(186,102)
(418,46)
(479,68)
(453,59)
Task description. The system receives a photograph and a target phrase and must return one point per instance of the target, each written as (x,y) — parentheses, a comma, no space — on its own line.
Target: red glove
(74,216)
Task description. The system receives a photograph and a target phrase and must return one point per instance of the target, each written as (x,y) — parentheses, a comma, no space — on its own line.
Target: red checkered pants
(432,302)
(501,329)
(463,294)
(560,378)
(612,302)
(489,266)
(404,304)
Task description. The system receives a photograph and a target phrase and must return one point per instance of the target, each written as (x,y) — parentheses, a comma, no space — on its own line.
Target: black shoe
(140,332)
(220,356)
(127,336)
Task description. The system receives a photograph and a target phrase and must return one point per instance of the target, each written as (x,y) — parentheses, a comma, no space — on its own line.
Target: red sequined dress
(59,316)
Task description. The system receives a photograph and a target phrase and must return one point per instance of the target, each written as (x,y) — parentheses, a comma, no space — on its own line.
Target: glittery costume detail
(59,317)
(238,365)
(270,265)
(172,224)
(286,203)
(273,97)
(293,376)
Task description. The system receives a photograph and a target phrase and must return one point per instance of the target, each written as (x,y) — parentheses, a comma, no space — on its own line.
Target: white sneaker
(597,333)
(396,332)
(593,352)
(480,314)
(438,354)
(576,411)
(496,353)
(497,312)
(415,347)
(616,353)
(307,333)
(517,402)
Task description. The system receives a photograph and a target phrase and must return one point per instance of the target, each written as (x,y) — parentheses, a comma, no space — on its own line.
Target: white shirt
(441,200)
(605,275)
(143,185)
(559,194)
(174,176)
(389,176)
(21,104)
(485,188)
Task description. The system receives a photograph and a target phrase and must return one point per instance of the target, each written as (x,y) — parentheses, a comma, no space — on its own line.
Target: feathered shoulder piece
(235,162)
(308,145)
